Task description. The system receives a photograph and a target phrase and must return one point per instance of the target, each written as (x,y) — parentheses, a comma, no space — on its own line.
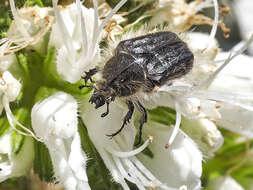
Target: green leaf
(42,162)
(4,125)
(17,141)
(22,115)
(44,92)
(33,3)
(163,115)
(23,63)
(53,79)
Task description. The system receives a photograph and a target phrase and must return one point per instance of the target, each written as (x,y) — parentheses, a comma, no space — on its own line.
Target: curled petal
(55,121)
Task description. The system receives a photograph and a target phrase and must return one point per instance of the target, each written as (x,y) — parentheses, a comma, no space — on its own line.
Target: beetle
(143,64)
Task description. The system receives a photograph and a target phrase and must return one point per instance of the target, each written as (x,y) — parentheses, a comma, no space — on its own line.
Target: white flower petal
(237,80)
(180,164)
(5,144)
(55,116)
(99,127)
(236,77)
(74,55)
(10,86)
(6,61)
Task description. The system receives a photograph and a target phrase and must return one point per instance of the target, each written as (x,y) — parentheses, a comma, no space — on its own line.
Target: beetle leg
(143,120)
(107,110)
(89,74)
(88,86)
(127,118)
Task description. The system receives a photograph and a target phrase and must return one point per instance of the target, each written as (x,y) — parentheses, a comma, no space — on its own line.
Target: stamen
(148,174)
(130,153)
(203,5)
(83,28)
(17,19)
(96,31)
(215,23)
(11,118)
(224,95)
(125,173)
(110,15)
(226,98)
(112,168)
(176,127)
(63,31)
(3,46)
(136,172)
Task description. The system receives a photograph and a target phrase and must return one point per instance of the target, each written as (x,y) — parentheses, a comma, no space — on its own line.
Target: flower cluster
(48,121)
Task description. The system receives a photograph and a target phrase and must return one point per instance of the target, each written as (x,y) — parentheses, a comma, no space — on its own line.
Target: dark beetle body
(147,61)
(140,64)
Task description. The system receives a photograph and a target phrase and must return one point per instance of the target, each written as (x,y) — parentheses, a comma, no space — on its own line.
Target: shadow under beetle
(139,64)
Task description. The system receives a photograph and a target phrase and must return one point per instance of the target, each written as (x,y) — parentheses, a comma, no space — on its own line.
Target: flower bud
(9,86)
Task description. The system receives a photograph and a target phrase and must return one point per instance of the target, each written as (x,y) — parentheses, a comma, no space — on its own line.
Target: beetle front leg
(127,118)
(89,74)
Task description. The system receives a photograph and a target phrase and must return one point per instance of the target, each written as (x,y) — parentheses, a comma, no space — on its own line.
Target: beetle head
(102,94)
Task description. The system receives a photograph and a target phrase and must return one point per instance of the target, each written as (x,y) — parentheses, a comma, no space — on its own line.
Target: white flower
(11,164)
(76,35)
(236,78)
(181,15)
(121,160)
(28,28)
(55,121)
(225,183)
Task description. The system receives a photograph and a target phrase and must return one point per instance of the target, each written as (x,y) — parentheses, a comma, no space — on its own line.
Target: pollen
(150,138)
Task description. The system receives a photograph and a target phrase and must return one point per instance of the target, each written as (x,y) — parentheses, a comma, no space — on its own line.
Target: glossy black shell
(147,61)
